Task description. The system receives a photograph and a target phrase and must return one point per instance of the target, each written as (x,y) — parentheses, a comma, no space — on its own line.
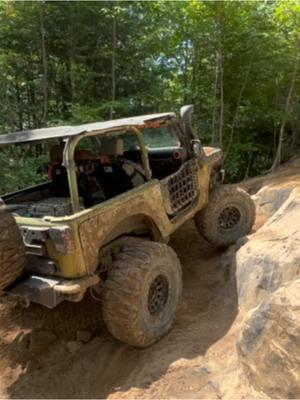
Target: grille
(181,188)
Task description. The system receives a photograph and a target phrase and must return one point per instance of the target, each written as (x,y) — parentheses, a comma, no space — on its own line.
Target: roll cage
(71,136)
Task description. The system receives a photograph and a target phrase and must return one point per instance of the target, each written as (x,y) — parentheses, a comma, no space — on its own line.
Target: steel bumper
(50,292)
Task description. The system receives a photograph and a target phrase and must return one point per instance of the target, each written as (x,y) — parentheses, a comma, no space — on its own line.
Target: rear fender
(135,225)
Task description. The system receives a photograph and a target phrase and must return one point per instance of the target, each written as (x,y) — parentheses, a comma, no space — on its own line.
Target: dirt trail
(196,359)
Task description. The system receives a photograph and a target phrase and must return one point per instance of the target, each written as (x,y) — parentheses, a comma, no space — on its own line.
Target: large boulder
(266,269)
(269,344)
(270,257)
(270,198)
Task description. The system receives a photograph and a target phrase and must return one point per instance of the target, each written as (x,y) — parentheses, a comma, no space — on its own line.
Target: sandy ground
(197,359)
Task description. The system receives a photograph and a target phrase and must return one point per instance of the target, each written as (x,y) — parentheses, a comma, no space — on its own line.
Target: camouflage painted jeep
(115,193)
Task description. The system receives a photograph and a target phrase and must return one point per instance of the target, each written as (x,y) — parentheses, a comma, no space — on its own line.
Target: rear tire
(142,292)
(12,249)
(229,215)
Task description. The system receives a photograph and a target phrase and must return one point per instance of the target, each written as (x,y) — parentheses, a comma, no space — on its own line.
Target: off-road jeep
(115,193)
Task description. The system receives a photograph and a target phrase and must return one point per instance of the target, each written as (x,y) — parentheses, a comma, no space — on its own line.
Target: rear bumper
(50,292)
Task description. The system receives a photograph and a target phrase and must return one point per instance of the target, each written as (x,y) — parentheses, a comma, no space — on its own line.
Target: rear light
(35,239)
(62,239)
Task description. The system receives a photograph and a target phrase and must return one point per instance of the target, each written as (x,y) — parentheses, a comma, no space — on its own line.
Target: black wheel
(142,292)
(12,249)
(229,215)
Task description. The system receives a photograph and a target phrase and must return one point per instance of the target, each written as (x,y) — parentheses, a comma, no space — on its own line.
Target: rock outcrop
(266,269)
(271,256)
(269,199)
(269,344)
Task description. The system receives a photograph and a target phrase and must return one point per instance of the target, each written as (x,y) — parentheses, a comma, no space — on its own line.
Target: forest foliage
(71,62)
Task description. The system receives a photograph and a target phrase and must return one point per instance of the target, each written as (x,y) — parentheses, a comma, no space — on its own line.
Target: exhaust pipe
(186,118)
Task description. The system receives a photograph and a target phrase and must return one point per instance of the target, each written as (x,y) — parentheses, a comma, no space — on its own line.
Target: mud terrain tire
(12,249)
(142,293)
(229,215)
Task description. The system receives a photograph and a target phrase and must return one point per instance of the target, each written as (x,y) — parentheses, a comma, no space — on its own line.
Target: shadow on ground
(103,365)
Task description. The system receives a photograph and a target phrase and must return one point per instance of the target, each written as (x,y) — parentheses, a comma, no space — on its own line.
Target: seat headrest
(112,147)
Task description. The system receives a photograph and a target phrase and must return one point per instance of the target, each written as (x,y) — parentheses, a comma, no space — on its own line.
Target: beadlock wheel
(229,217)
(158,294)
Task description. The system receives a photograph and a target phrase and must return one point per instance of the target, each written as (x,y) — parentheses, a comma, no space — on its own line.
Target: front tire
(229,215)
(142,293)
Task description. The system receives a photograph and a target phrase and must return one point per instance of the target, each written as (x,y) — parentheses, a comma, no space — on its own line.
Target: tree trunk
(19,106)
(237,110)
(214,116)
(45,64)
(295,131)
(71,50)
(194,68)
(277,159)
(66,88)
(185,72)
(33,116)
(113,67)
(276,107)
(249,164)
(221,126)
